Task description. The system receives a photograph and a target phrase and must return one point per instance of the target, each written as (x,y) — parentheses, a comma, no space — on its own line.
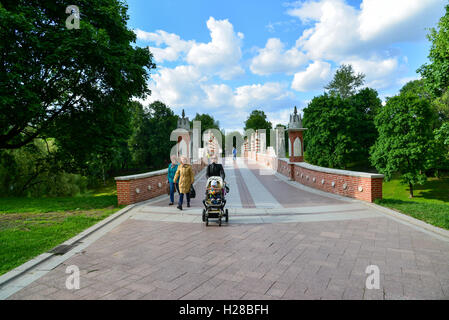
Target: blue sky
(227,58)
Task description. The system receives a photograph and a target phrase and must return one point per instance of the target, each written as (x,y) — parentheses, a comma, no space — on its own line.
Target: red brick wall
(285,168)
(148,188)
(371,187)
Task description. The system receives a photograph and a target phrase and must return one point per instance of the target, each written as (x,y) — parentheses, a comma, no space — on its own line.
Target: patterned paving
(295,245)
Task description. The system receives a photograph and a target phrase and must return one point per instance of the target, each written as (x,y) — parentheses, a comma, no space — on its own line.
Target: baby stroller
(215,201)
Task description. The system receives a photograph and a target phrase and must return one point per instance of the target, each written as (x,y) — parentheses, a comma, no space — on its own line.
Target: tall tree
(436,73)
(345,82)
(150,143)
(49,72)
(207,122)
(341,131)
(405,138)
(258,120)
(327,140)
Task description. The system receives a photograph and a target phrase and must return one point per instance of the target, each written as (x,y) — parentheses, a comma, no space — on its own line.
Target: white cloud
(177,87)
(379,72)
(362,37)
(222,54)
(279,116)
(334,33)
(315,77)
(218,95)
(399,20)
(174,44)
(339,29)
(274,59)
(258,95)
(186,86)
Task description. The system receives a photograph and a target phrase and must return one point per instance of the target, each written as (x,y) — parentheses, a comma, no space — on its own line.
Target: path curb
(33,263)
(23,269)
(442,233)
(420,225)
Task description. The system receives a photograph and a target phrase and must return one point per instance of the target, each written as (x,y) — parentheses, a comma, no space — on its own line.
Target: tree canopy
(405,138)
(207,122)
(52,75)
(345,82)
(257,120)
(150,143)
(436,73)
(341,131)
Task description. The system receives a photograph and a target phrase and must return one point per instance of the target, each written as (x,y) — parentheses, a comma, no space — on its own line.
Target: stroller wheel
(207,221)
(227,215)
(204,215)
(219,222)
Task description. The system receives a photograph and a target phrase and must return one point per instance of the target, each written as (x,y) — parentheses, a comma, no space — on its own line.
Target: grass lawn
(430,202)
(31,226)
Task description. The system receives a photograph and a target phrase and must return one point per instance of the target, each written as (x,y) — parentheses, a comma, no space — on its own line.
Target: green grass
(32,226)
(430,202)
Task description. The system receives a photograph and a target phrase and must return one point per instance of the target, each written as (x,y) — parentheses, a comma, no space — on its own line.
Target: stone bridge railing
(359,185)
(141,187)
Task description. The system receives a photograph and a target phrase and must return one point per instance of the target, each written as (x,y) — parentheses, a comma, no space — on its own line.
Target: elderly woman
(172,168)
(186,178)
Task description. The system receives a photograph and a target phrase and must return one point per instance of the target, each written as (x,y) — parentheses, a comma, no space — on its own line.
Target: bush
(33,171)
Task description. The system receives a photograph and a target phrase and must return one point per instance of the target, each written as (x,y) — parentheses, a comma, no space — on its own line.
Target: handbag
(192,193)
(167,188)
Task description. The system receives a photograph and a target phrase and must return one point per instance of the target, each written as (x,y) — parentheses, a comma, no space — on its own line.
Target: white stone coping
(338,171)
(142,175)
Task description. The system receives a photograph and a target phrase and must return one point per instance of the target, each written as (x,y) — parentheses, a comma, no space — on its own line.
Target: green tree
(258,120)
(35,170)
(328,141)
(341,131)
(441,106)
(436,73)
(150,142)
(207,122)
(51,74)
(345,82)
(439,158)
(405,137)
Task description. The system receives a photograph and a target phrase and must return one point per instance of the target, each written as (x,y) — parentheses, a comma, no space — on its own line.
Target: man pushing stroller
(216,190)
(215,169)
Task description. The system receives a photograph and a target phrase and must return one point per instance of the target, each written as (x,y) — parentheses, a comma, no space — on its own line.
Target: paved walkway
(281,243)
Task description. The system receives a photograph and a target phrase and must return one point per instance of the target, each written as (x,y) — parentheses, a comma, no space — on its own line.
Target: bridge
(295,231)
(284,240)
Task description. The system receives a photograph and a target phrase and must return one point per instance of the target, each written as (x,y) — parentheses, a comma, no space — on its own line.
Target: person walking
(215,169)
(172,168)
(234,153)
(186,179)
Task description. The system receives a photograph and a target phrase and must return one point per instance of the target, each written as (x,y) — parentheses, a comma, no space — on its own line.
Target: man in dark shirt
(215,169)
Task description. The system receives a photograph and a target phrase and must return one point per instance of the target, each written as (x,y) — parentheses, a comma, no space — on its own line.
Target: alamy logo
(73,281)
(373,280)
(72,21)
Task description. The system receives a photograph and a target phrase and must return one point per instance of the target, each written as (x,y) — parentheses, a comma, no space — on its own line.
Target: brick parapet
(142,187)
(358,185)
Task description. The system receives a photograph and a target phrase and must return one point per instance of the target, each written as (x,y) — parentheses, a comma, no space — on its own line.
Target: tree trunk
(411,190)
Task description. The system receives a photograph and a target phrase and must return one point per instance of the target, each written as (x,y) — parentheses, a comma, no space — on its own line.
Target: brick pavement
(313,258)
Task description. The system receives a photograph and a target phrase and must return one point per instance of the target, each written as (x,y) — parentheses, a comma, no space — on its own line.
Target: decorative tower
(184,137)
(295,138)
